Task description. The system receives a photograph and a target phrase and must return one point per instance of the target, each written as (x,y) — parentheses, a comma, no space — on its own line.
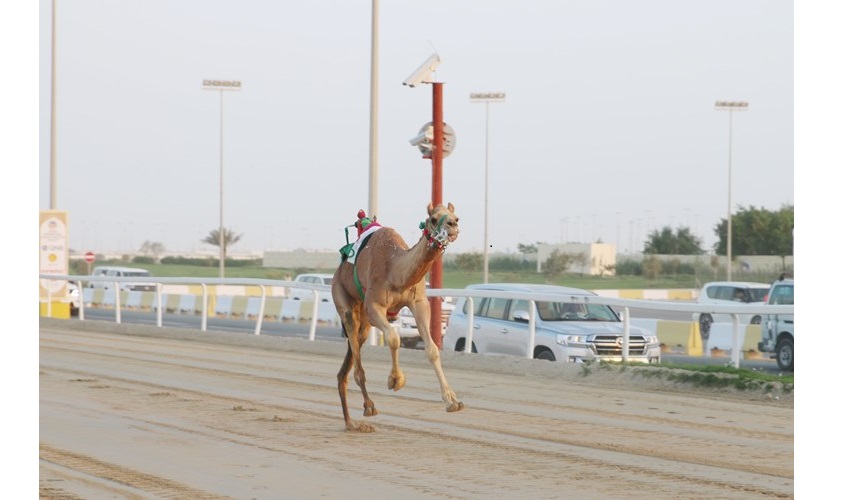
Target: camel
(384,276)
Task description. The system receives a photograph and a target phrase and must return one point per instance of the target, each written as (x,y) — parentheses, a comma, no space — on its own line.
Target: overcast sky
(609,128)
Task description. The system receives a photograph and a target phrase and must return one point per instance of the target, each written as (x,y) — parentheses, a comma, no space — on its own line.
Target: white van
(122,272)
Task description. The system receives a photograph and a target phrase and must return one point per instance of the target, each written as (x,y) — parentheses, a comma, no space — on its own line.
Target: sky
(608,131)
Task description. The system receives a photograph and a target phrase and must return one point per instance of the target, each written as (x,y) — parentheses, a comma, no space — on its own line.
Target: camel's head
(442,225)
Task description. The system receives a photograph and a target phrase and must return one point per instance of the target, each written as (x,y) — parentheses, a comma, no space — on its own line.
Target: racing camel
(377,277)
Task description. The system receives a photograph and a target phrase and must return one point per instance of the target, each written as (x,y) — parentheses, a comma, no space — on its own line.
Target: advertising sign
(52,246)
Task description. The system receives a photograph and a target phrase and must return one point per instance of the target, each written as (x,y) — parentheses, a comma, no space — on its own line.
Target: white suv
(307,293)
(777,329)
(567,332)
(122,272)
(730,292)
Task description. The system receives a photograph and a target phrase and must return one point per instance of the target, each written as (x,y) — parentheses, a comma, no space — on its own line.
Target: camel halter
(439,236)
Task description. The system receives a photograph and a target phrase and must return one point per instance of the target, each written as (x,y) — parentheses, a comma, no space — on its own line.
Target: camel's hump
(387,237)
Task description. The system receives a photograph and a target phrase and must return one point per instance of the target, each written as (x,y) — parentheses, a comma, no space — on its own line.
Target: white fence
(258,303)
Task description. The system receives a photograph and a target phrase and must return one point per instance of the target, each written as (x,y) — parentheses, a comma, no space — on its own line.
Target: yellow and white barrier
(660,294)
(220,306)
(720,337)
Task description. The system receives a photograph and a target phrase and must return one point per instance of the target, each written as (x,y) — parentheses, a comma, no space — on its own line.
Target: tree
(666,242)
(469,261)
(757,231)
(651,267)
(524,248)
(230,238)
(152,249)
(556,264)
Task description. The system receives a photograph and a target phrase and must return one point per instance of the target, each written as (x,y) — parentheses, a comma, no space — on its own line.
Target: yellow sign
(52,246)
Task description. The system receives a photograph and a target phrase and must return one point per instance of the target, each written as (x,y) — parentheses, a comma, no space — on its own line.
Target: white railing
(159,282)
(623,304)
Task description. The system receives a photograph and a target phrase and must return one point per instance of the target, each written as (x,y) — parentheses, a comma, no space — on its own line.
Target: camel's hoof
(396,383)
(456,406)
(370,412)
(358,427)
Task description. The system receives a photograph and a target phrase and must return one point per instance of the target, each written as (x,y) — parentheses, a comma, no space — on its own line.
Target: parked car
(122,272)
(777,329)
(730,292)
(74,296)
(306,293)
(407,328)
(565,331)
(98,271)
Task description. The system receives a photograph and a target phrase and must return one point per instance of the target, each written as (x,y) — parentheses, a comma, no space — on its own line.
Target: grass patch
(702,376)
(451,278)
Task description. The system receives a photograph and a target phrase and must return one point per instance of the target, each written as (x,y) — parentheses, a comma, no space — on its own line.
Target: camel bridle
(437,237)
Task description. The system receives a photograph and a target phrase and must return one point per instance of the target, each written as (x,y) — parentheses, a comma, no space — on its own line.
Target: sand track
(140,412)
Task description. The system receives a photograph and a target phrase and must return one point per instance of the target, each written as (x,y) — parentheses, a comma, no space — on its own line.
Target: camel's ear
(451,207)
(430,208)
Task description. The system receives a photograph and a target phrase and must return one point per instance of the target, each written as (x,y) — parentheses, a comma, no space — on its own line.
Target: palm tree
(230,238)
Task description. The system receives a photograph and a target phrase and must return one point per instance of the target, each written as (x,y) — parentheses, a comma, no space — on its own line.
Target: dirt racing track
(128,411)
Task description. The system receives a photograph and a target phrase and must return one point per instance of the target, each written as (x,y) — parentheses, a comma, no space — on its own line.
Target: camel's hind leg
(360,374)
(352,357)
(421,311)
(342,386)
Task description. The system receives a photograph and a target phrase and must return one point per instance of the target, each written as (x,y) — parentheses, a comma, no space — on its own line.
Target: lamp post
(730,106)
(53,153)
(486,98)
(221,86)
(373,111)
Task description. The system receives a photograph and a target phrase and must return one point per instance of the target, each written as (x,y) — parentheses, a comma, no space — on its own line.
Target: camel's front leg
(421,311)
(396,378)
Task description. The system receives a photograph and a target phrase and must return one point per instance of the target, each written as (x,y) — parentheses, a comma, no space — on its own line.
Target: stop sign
(90,257)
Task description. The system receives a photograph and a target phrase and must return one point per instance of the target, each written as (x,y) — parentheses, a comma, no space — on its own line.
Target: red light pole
(435,147)
(436,270)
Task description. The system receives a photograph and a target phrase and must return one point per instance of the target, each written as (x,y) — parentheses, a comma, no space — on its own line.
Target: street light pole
(53,107)
(221,86)
(730,106)
(486,98)
(373,112)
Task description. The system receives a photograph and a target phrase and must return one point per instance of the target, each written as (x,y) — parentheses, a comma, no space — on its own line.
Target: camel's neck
(416,263)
